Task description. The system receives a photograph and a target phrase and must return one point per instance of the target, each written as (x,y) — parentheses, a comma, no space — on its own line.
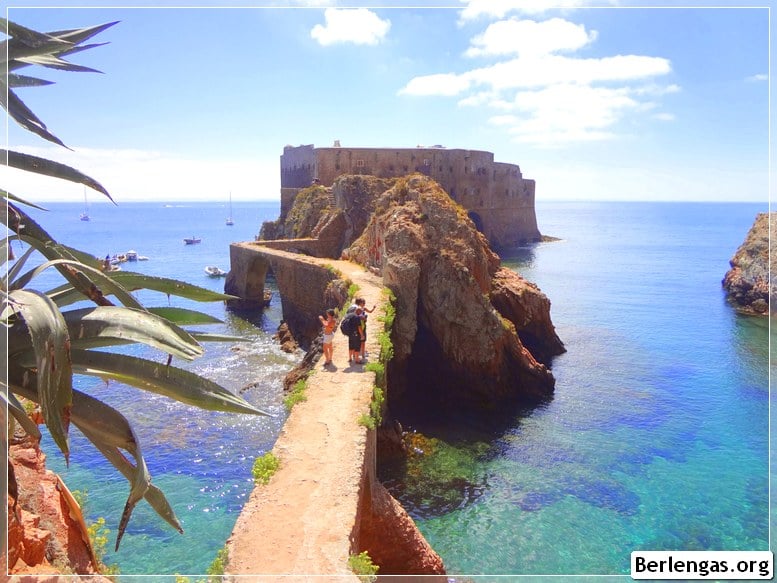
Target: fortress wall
(496,191)
(297,166)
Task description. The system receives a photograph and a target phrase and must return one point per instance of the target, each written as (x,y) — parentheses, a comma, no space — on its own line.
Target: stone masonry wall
(494,192)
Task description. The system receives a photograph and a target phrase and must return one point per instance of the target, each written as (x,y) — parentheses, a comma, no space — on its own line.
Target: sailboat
(230,222)
(85,215)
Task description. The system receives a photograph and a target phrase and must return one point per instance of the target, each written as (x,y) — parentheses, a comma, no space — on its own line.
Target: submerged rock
(747,282)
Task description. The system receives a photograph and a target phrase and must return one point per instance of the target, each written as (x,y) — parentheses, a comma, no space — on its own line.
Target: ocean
(656,438)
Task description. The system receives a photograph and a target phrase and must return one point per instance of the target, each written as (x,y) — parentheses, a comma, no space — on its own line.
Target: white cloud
(527,37)
(568,112)
(759,77)
(540,71)
(358,26)
(545,98)
(500,8)
(446,84)
(664,116)
(146,175)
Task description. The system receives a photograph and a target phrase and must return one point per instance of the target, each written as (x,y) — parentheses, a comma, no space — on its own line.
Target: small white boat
(192,240)
(132,255)
(230,222)
(85,215)
(214,271)
(142,258)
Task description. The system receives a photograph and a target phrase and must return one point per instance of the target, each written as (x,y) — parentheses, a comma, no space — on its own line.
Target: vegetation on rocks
(264,467)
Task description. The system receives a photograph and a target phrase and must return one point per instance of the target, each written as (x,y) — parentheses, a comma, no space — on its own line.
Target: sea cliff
(747,282)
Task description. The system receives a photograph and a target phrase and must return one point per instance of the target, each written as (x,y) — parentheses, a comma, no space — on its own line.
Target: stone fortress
(499,200)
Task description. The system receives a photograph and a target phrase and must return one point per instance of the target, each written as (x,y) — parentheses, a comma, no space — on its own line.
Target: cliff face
(747,282)
(42,536)
(460,316)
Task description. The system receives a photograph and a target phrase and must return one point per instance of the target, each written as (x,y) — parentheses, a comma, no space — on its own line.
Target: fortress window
(337,166)
(440,168)
(391,167)
(359,163)
(466,169)
(450,168)
(405,167)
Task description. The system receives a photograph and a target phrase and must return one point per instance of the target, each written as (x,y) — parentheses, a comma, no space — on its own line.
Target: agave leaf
(46,167)
(203,337)
(17,410)
(13,272)
(52,62)
(153,495)
(134,325)
(24,116)
(134,281)
(110,325)
(15,198)
(183,317)
(17,220)
(105,426)
(112,429)
(79,35)
(48,333)
(26,35)
(15,80)
(169,381)
(84,278)
(17,266)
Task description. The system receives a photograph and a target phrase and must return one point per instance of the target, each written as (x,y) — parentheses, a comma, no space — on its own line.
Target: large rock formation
(460,315)
(338,213)
(747,282)
(467,332)
(43,538)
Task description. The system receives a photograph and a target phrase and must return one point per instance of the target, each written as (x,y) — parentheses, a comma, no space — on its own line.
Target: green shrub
(297,394)
(264,467)
(363,566)
(366,421)
(219,564)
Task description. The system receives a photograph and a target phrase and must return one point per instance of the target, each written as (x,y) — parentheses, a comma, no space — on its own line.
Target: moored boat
(191,240)
(215,271)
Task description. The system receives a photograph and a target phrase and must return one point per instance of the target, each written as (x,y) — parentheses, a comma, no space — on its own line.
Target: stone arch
(477,220)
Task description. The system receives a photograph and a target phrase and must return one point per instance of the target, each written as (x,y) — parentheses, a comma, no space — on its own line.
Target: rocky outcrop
(392,539)
(42,537)
(338,213)
(460,316)
(747,282)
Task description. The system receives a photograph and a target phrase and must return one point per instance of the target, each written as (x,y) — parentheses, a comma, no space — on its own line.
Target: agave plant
(54,334)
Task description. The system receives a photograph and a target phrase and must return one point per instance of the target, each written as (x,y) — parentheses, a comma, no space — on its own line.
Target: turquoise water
(656,438)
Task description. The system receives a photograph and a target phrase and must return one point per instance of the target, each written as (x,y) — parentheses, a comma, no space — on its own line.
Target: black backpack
(349,324)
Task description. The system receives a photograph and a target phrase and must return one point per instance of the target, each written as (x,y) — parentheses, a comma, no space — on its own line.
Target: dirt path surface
(303,522)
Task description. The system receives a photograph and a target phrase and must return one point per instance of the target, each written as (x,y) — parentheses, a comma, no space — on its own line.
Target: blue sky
(594,100)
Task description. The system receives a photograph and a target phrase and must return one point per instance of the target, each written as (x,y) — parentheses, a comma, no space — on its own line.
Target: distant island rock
(747,282)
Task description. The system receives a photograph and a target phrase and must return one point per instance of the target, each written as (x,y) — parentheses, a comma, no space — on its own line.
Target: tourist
(329,325)
(362,303)
(355,338)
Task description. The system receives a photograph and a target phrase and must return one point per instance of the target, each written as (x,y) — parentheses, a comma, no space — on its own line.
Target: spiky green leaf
(50,342)
(169,381)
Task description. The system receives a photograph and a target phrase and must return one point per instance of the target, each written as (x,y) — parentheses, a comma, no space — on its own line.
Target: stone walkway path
(305,520)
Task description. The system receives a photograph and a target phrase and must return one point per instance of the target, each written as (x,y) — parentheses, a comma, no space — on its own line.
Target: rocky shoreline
(747,283)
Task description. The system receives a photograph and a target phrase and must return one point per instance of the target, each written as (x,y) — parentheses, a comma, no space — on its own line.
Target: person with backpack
(353,327)
(362,303)
(329,324)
